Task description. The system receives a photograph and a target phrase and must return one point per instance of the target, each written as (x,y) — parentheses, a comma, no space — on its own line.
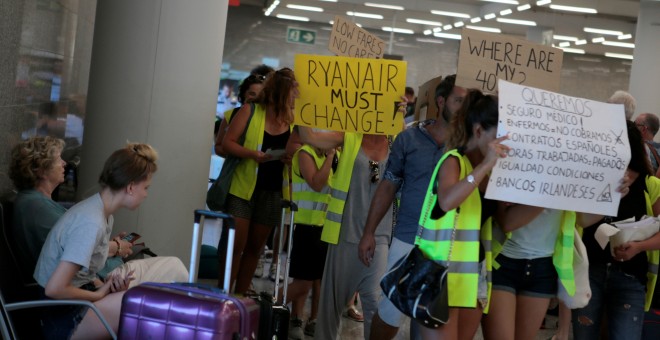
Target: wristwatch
(471,179)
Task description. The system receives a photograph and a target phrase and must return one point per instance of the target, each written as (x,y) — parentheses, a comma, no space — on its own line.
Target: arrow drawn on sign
(308,37)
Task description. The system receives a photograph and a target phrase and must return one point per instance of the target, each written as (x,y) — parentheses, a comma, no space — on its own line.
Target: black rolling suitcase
(274,317)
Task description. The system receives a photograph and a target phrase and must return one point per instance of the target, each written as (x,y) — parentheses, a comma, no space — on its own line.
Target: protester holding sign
(353,185)
(452,238)
(255,193)
(414,154)
(622,285)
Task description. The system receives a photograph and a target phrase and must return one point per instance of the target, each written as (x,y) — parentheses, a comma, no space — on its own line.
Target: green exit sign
(300,36)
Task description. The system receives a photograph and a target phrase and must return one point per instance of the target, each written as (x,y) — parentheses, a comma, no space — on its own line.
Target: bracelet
(118,248)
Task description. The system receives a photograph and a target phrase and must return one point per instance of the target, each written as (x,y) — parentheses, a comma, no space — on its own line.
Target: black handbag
(417,286)
(216,197)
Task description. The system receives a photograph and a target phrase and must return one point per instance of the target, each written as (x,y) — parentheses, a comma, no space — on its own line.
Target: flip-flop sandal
(353,314)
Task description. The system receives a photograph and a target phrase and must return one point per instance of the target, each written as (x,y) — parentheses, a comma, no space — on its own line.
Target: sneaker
(296,329)
(310,327)
(259,272)
(273,272)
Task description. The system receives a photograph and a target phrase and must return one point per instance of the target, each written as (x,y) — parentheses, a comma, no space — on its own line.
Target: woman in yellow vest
(362,160)
(456,200)
(255,192)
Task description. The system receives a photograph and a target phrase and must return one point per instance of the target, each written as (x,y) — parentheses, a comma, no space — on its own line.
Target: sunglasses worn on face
(375,171)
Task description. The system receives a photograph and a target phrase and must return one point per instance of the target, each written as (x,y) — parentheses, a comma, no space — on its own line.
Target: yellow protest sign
(483,58)
(350,94)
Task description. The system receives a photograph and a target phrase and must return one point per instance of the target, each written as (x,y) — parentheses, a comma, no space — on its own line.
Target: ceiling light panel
(572,50)
(506,12)
(423,22)
(489,16)
(581,42)
(618,44)
(574,9)
(305,8)
(508,2)
(432,41)
(516,22)
(602,31)
(564,37)
(292,17)
(447,35)
(618,55)
(597,40)
(543,2)
(485,29)
(394,7)
(475,20)
(524,7)
(364,15)
(398,30)
(451,14)
(624,36)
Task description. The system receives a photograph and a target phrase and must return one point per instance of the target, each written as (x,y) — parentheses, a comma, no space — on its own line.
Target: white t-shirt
(80,236)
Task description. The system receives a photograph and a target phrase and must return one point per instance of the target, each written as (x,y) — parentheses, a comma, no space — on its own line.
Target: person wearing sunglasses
(353,186)
(413,156)
(248,91)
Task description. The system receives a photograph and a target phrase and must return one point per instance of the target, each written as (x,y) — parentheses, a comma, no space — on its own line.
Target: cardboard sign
(484,58)
(426,107)
(566,153)
(348,39)
(350,94)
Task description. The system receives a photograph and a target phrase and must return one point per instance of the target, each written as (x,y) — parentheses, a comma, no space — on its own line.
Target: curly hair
(276,93)
(132,164)
(31,158)
(477,108)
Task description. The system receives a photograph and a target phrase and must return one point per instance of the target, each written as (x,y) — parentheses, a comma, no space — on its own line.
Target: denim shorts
(60,322)
(265,207)
(535,277)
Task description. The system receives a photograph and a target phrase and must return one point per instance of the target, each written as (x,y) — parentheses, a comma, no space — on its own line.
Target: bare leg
(316,296)
(242,227)
(381,330)
(91,327)
(564,322)
(530,312)
(257,236)
(469,319)
(499,323)
(448,331)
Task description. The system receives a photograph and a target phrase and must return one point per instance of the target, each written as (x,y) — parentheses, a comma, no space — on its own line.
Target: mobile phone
(132,237)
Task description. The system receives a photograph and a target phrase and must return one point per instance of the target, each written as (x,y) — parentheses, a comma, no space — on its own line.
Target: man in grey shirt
(648,124)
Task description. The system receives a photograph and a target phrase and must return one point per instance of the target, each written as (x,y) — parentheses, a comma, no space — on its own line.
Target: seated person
(36,170)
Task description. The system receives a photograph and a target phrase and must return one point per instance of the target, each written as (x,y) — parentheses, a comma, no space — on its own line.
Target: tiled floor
(354,330)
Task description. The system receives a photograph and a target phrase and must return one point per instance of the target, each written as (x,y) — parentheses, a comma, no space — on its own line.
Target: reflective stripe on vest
(341,181)
(312,205)
(562,258)
(463,276)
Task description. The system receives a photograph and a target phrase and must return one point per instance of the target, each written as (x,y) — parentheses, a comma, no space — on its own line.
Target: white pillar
(154,79)
(645,71)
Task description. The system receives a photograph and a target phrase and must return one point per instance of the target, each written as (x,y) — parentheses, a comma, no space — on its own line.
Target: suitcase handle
(228,223)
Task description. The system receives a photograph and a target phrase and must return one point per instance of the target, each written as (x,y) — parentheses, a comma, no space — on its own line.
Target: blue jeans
(620,296)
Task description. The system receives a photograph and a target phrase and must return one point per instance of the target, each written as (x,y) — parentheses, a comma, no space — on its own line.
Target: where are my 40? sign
(350,94)
(566,152)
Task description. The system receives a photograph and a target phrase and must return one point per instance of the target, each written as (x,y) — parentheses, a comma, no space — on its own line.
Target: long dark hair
(639,162)
(477,108)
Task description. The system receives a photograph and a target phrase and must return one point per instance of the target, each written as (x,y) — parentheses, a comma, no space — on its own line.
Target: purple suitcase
(188,310)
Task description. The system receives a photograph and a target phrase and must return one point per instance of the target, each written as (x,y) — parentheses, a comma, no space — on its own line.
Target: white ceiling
(617,15)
